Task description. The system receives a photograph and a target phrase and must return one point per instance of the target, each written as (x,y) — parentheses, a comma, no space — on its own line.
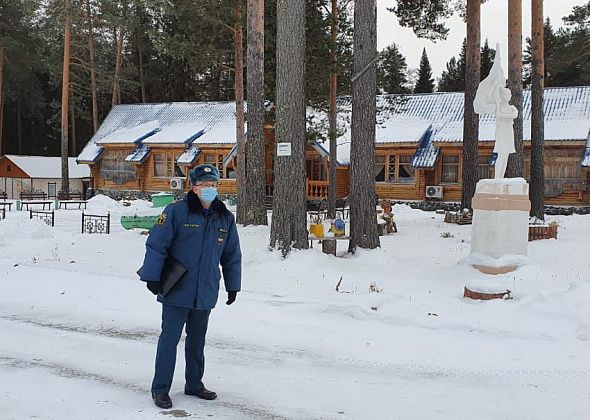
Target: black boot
(204,394)
(162,400)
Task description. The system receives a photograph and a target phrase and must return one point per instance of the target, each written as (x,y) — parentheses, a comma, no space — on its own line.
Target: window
(51,189)
(215,159)
(394,169)
(450,170)
(484,169)
(114,168)
(563,164)
(406,171)
(165,165)
(379,168)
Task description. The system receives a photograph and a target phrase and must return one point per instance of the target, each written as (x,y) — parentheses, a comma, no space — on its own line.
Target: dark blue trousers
(174,319)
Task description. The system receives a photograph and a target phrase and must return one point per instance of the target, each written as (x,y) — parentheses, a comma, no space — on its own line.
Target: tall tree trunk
(333,113)
(470,118)
(73,140)
(93,87)
(2,49)
(515,160)
(363,222)
(239,88)
(289,220)
(119,58)
(19,126)
(65,89)
(255,201)
(141,70)
(537,186)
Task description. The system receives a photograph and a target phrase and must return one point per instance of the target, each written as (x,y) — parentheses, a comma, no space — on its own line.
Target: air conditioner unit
(176,183)
(434,191)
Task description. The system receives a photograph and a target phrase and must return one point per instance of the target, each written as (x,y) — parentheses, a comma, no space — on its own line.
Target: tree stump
(485,296)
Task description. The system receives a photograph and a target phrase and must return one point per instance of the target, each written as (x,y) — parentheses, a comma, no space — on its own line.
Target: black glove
(231,297)
(153,286)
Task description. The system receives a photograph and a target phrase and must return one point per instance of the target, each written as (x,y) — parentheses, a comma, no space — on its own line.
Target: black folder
(172,273)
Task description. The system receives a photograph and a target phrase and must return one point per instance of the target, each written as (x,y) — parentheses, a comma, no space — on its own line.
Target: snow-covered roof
(405,119)
(223,133)
(48,167)
(427,152)
(139,155)
(175,134)
(167,123)
(189,156)
(131,134)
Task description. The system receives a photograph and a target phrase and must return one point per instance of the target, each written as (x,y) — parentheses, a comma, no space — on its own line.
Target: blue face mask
(208,194)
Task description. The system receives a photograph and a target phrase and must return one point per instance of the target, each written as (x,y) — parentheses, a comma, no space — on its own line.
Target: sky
(494,27)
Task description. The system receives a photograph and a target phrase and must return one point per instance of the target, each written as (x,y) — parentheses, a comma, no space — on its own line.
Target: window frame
(454,164)
(391,162)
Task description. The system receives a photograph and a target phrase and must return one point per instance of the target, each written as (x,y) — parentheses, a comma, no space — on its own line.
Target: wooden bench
(32,195)
(2,214)
(64,203)
(3,195)
(5,204)
(71,195)
(43,203)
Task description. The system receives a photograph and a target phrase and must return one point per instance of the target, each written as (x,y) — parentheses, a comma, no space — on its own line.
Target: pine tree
(453,78)
(515,160)
(289,221)
(537,181)
(363,224)
(391,71)
(470,118)
(255,200)
(425,83)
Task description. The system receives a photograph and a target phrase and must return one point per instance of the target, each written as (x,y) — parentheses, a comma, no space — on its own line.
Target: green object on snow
(139,222)
(162,199)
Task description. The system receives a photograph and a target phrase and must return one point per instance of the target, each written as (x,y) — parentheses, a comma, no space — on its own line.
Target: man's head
(204,179)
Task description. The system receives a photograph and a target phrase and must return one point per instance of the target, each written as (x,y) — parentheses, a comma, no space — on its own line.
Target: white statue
(493,97)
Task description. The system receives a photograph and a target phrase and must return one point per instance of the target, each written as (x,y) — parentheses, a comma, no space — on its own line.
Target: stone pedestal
(500,221)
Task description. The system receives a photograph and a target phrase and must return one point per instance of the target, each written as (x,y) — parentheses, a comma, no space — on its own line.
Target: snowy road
(78,332)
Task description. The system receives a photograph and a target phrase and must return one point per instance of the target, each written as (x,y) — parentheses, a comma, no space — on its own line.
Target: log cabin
(151,147)
(418,145)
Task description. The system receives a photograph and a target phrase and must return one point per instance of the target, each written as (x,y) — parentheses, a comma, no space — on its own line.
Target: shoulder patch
(162,219)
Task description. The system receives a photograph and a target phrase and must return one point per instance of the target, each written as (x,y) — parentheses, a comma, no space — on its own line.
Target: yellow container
(316,230)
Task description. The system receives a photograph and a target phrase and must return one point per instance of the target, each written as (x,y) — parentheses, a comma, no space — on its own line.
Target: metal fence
(92,223)
(47,216)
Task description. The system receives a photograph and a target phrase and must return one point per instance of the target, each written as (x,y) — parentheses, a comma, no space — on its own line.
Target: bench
(36,202)
(33,195)
(3,195)
(5,204)
(2,214)
(64,203)
(70,195)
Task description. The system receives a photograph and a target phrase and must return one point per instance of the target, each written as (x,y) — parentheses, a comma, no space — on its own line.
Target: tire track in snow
(69,372)
(276,355)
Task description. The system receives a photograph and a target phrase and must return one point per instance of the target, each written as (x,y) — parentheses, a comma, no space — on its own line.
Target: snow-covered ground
(78,331)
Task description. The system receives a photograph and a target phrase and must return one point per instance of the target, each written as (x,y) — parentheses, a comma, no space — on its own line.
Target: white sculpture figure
(492,97)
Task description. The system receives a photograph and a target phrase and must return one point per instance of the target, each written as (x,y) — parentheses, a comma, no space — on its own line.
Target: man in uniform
(200,234)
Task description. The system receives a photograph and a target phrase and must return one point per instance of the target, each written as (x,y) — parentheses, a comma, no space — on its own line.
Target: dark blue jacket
(201,244)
